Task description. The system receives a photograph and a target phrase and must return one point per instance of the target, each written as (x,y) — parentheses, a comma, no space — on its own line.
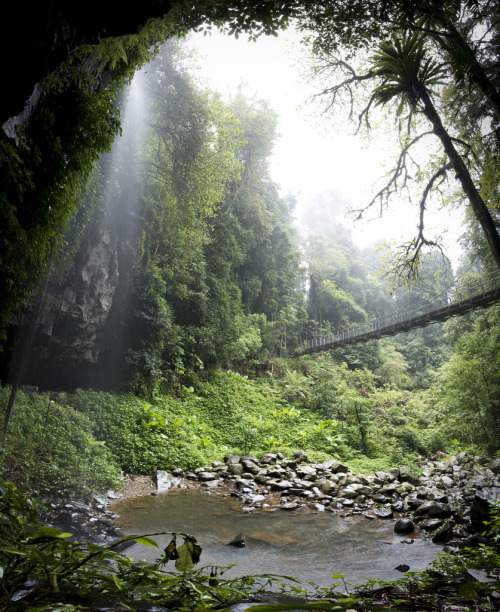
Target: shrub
(51,448)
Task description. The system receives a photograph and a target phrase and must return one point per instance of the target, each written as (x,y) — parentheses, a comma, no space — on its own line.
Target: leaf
(53,532)
(171,553)
(189,555)
(13,551)
(146,541)
(117,582)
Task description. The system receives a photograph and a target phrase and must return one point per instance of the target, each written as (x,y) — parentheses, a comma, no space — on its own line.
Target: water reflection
(305,544)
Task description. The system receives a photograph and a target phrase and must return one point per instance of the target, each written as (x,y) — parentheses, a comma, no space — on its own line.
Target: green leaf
(13,551)
(53,532)
(189,555)
(146,541)
(171,553)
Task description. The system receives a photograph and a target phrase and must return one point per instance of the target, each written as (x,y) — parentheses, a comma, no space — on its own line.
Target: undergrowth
(80,445)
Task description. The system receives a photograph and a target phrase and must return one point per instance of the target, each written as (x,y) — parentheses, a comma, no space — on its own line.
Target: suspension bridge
(457,300)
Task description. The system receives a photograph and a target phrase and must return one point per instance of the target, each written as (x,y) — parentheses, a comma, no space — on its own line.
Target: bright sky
(310,155)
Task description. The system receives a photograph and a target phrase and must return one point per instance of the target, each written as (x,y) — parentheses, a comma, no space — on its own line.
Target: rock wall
(81,330)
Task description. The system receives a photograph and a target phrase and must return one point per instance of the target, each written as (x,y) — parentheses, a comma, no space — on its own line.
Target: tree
(470,384)
(409,73)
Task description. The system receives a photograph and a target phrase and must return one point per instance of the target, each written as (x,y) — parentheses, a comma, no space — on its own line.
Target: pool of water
(306,544)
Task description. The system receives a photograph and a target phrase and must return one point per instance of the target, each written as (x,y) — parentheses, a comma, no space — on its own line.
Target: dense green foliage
(52,449)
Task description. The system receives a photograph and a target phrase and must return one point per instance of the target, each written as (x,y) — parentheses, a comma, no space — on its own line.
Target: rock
(269,458)
(431,524)
(365,490)
(300,455)
(305,470)
(247,476)
(282,485)
(384,513)
(210,484)
(433,510)
(480,512)
(439,510)
(407,541)
(239,541)
(447,481)
(112,495)
(444,535)
(231,458)
(495,466)
(406,474)
(333,466)
(388,489)
(274,472)
(236,469)
(402,568)
(404,525)
(395,471)
(348,493)
(290,506)
(405,489)
(473,541)
(205,476)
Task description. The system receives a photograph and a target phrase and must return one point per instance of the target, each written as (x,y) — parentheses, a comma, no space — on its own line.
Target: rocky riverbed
(449,500)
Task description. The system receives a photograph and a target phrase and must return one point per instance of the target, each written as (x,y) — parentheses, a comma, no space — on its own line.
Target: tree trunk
(459,49)
(462,174)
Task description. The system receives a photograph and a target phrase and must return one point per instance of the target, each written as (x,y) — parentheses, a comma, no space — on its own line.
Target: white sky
(311,155)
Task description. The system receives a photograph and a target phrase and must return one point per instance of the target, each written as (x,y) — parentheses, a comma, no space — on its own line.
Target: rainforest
(167,308)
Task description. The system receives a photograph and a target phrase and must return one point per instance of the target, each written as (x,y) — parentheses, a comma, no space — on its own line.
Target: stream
(308,545)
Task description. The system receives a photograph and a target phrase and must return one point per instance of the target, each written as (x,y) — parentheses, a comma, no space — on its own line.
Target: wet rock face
(82,334)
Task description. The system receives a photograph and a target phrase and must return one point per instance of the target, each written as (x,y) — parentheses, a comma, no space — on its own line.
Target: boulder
(480,512)
(431,524)
(250,466)
(433,510)
(282,485)
(210,484)
(306,470)
(404,525)
(239,541)
(236,469)
(406,474)
(333,466)
(206,476)
(384,513)
(300,455)
(165,481)
(495,466)
(444,535)
(269,458)
(230,458)
(290,506)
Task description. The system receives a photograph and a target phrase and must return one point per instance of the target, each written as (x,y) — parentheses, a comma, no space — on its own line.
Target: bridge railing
(458,294)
